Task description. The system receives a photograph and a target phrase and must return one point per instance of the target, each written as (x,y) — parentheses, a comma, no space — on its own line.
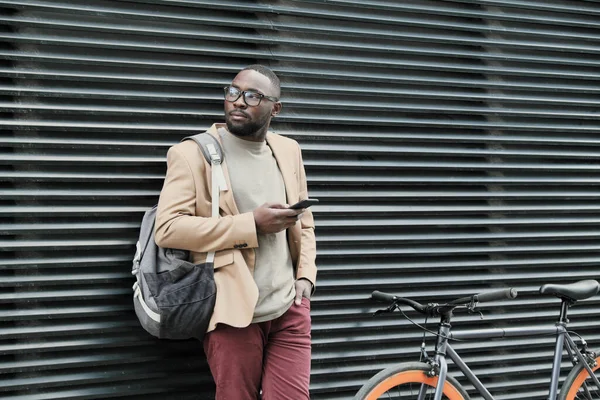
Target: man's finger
(277,206)
(288,212)
(298,298)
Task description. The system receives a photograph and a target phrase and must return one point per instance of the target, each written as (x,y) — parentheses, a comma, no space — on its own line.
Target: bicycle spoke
(588,390)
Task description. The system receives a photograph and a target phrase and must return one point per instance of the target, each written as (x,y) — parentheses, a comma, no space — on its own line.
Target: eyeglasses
(251,98)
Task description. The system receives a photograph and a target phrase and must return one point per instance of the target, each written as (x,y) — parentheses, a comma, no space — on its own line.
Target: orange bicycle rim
(415,376)
(578,382)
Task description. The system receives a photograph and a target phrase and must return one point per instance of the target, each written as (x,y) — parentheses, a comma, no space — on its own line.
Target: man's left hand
(303,289)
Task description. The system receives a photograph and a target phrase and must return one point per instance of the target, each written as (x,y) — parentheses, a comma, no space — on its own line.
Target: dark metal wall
(455,147)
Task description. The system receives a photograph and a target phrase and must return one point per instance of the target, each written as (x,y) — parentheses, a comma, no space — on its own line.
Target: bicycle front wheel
(579,384)
(408,381)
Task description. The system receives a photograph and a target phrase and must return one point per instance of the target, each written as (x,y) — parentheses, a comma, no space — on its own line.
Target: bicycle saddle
(575,291)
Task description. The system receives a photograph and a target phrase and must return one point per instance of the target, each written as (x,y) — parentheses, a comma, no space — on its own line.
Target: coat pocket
(223,258)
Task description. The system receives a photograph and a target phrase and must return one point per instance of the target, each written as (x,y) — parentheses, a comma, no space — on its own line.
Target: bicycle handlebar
(508,293)
(500,294)
(383,297)
(390,298)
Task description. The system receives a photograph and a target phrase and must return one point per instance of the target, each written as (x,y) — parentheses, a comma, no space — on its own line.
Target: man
(259,335)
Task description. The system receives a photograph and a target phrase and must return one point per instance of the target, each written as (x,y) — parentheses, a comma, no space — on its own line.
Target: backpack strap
(207,143)
(213,153)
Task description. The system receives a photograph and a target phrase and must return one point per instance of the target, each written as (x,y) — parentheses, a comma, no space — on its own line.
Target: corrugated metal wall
(455,146)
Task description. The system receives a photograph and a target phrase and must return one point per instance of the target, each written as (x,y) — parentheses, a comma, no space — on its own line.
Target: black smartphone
(304,204)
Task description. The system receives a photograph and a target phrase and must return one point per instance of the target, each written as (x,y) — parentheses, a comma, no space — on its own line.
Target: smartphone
(304,204)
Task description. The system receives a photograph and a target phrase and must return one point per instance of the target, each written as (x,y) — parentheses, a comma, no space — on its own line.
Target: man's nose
(240,103)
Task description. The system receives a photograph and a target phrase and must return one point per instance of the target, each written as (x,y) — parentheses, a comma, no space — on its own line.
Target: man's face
(243,120)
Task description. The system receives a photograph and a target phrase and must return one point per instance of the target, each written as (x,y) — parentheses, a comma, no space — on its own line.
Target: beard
(243,129)
(246,128)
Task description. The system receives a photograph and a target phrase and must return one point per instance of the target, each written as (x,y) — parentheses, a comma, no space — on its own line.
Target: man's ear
(276,109)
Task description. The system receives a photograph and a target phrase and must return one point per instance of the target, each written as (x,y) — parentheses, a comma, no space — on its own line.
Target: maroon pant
(272,356)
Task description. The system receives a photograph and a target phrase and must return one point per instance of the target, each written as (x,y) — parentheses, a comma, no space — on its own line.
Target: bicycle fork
(439,367)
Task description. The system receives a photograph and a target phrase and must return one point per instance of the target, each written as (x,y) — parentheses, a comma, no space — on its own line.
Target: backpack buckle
(214,155)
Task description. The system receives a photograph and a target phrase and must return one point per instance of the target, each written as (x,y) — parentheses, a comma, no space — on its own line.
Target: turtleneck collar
(254,147)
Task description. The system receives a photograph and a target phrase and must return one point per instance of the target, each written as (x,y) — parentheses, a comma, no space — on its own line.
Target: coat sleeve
(177,225)
(307,267)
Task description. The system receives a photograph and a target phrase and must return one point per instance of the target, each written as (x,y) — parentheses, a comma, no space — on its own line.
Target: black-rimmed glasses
(251,98)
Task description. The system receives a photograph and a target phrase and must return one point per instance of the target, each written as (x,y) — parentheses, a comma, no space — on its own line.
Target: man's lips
(238,114)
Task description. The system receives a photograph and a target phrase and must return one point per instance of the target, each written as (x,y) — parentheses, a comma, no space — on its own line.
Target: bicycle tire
(405,380)
(578,381)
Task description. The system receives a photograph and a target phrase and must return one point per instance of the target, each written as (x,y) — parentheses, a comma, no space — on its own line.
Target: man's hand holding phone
(275,217)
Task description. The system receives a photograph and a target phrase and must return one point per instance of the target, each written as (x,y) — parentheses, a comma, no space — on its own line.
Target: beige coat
(183,222)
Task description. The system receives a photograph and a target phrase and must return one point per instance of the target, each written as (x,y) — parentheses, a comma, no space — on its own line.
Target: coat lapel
(288,162)
(286,166)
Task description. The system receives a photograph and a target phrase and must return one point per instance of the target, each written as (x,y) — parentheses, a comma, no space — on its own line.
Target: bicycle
(420,380)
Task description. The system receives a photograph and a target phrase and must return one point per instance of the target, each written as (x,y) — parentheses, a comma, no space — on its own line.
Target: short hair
(261,69)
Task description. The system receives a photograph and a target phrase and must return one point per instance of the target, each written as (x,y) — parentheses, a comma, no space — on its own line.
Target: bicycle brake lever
(472,308)
(390,309)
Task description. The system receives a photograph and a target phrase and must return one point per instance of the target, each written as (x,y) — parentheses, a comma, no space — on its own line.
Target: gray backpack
(173,298)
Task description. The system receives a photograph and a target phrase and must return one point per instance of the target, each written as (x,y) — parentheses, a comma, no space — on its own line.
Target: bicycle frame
(563,341)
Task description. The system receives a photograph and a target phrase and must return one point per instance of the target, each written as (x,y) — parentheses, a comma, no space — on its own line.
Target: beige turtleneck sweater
(255,180)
